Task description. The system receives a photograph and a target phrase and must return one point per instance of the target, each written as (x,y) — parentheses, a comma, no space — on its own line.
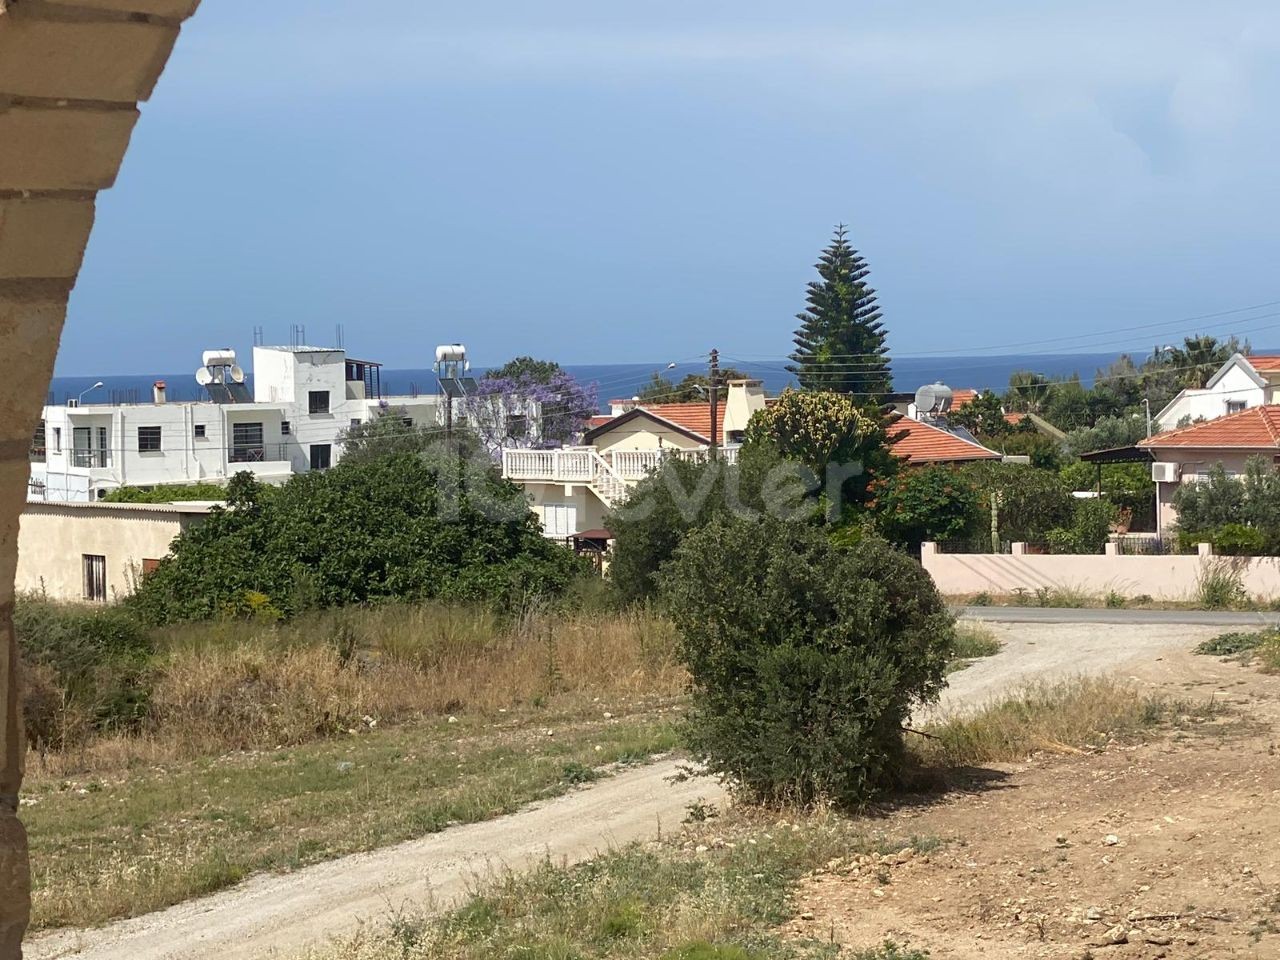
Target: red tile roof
(1014,418)
(1253,429)
(694,417)
(599,421)
(918,442)
(961,397)
(1268,363)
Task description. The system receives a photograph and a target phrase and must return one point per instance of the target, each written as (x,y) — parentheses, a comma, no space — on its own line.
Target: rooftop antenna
(257,336)
(340,335)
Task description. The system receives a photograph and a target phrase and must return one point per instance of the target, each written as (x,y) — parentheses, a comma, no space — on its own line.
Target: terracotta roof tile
(918,442)
(1252,429)
(1267,363)
(694,417)
(962,396)
(599,421)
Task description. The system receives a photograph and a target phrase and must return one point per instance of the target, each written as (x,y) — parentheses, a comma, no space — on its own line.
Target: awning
(1119,455)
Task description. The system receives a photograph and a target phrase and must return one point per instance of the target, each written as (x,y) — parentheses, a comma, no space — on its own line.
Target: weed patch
(1063,716)
(973,642)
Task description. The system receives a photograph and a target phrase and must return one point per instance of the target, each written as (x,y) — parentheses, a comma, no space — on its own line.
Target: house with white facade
(1239,384)
(572,488)
(302,399)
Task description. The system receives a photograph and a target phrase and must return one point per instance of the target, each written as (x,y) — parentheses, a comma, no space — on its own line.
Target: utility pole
(713,391)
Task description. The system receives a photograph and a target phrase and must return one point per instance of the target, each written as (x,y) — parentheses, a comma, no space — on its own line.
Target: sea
(624,380)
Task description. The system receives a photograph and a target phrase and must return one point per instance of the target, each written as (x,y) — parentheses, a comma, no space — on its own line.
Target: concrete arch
(72,73)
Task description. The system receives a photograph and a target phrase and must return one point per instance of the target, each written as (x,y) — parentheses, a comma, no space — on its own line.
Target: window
(95,577)
(284,428)
(355,421)
(57,439)
(559,520)
(318,401)
(321,455)
(148,439)
(246,443)
(38,444)
(199,431)
(149,566)
(1235,406)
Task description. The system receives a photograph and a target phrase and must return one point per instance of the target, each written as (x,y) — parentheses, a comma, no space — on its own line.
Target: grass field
(127,843)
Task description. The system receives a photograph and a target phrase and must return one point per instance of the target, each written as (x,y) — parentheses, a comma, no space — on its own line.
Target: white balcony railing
(582,464)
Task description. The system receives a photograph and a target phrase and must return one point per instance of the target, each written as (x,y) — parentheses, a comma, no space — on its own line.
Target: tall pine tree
(840,344)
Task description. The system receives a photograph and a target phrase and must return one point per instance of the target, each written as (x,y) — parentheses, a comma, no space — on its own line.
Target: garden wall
(1173,577)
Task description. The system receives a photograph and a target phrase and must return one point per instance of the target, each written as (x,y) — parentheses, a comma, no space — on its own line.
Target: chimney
(157,392)
(744,398)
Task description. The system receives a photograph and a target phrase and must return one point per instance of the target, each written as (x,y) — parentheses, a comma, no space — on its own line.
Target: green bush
(86,668)
(1031,501)
(927,503)
(1237,540)
(168,493)
(1235,642)
(684,495)
(805,659)
(400,527)
(1091,525)
(1089,530)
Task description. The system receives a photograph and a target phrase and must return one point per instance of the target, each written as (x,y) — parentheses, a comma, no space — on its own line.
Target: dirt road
(279,914)
(1151,653)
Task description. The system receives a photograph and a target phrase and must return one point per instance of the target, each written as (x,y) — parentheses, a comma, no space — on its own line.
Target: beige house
(1187,455)
(97,551)
(571,489)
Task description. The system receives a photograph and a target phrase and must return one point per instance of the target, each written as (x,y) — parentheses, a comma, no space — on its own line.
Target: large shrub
(831,433)
(806,659)
(1251,500)
(392,528)
(926,503)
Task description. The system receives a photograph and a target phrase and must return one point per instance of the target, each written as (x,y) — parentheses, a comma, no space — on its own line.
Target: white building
(1240,384)
(302,400)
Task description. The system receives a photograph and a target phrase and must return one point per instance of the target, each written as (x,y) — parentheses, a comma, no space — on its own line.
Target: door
(81,447)
(559,520)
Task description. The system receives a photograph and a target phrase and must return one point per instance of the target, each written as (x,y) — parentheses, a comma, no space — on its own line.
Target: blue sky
(604,182)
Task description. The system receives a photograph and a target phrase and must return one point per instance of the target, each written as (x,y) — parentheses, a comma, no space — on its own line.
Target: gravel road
(276,915)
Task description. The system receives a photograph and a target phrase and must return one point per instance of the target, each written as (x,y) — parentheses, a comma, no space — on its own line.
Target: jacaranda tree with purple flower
(529,403)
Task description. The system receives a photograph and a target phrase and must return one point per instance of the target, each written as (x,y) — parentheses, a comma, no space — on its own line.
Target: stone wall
(71,75)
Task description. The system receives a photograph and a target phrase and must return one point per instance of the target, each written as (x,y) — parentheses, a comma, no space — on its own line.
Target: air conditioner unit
(1166,472)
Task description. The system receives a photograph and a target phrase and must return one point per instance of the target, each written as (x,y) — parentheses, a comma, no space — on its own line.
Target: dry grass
(230,686)
(1065,716)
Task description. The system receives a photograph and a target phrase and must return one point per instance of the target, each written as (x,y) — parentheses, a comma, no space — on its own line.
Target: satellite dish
(203,376)
(237,374)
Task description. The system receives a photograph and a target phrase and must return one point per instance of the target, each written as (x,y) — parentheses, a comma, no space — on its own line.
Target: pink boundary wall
(1159,577)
